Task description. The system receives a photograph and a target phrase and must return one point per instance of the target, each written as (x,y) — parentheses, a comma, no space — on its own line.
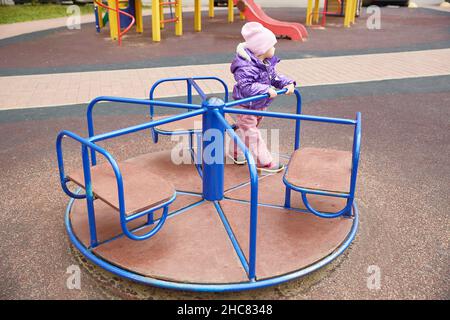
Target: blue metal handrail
(85,142)
(124,219)
(93,103)
(356,153)
(265,96)
(228,108)
(189,87)
(297,121)
(190,82)
(86,169)
(349,196)
(147,125)
(235,103)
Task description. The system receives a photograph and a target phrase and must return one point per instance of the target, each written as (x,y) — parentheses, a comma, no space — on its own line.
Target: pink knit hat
(257,38)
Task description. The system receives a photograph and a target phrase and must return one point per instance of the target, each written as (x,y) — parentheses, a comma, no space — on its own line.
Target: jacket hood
(244,57)
(241,52)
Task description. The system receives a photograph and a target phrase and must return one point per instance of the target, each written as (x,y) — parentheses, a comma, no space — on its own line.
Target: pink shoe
(272,167)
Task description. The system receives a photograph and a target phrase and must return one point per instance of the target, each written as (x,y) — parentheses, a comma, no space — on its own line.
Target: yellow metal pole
(211,9)
(113,23)
(139,22)
(197,16)
(230,11)
(308,21)
(355,5)
(156,26)
(316,11)
(179,16)
(347,13)
(161,14)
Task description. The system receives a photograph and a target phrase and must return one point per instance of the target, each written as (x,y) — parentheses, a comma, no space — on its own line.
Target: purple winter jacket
(253,77)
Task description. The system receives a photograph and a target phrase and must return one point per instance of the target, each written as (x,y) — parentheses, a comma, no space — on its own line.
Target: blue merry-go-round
(207,225)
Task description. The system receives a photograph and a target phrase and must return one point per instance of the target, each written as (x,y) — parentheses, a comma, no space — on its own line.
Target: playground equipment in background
(248,10)
(209,242)
(315,14)
(349,9)
(253,12)
(130,12)
(124,15)
(158,20)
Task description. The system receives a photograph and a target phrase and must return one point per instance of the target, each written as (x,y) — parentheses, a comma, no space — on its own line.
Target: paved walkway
(80,87)
(19,28)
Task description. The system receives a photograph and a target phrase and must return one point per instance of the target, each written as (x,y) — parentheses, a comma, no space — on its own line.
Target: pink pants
(247,130)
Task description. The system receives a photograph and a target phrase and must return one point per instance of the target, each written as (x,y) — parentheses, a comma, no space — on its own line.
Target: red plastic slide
(253,12)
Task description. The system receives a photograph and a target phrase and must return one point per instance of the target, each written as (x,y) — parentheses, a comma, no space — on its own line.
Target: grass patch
(29,12)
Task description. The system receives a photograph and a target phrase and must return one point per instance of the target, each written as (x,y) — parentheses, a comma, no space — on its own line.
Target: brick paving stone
(80,87)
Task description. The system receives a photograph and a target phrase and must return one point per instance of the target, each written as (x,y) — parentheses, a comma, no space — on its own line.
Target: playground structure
(207,240)
(125,14)
(253,12)
(349,9)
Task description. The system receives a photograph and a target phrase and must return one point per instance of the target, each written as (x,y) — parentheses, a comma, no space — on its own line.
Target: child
(254,71)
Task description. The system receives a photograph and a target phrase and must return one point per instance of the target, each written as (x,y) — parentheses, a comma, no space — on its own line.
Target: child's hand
(272,93)
(290,89)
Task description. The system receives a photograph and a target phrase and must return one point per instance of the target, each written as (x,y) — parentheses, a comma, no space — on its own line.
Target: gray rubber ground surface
(402,194)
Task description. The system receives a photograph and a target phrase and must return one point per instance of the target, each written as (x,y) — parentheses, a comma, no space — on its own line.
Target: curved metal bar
(148,211)
(210,287)
(60,158)
(297,126)
(356,153)
(350,196)
(157,83)
(308,206)
(312,191)
(152,232)
(322,214)
(297,121)
(225,86)
(154,131)
(297,117)
(120,190)
(96,100)
(259,97)
(98,149)
(253,194)
(62,176)
(87,177)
